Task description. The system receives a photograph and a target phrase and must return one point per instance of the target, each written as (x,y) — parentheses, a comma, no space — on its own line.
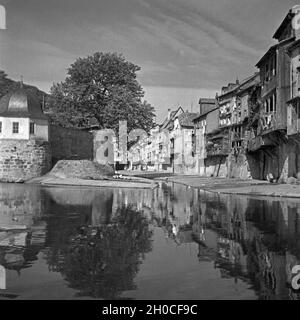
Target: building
(239,161)
(169,147)
(273,144)
(24,134)
(29,145)
(206,106)
(222,131)
(182,137)
(22,118)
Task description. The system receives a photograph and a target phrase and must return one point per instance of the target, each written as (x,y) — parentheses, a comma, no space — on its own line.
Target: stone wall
(21,160)
(238,166)
(70,144)
(216,166)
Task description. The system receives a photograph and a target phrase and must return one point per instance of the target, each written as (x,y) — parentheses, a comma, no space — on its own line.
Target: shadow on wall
(275,161)
(216,166)
(70,144)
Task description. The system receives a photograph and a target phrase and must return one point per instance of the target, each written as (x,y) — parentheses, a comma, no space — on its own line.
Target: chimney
(169,114)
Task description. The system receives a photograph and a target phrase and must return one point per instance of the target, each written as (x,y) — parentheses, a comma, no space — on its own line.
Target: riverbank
(237,186)
(225,185)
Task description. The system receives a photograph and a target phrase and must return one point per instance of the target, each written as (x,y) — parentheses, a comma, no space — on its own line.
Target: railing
(217,151)
(268,121)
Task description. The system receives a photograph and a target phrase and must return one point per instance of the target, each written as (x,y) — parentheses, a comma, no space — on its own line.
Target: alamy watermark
(2,17)
(296,277)
(161,146)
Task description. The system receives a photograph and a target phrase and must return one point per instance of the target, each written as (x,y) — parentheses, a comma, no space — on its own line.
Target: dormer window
(15,128)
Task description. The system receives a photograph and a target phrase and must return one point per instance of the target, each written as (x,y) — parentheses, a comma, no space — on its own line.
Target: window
(267,106)
(271,103)
(31,128)
(0,126)
(15,128)
(267,73)
(298,79)
(275,65)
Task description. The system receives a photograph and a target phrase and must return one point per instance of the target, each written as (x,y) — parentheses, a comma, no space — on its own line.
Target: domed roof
(20,103)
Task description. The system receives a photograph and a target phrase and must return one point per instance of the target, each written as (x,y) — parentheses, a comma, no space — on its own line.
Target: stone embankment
(22,160)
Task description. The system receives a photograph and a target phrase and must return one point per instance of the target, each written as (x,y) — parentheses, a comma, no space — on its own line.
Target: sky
(186,49)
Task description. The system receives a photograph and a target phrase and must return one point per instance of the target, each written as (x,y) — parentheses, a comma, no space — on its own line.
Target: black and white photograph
(149,151)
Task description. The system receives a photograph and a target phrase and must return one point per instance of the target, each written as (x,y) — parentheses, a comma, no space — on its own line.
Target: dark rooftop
(20,103)
(272,50)
(207,100)
(288,18)
(186,119)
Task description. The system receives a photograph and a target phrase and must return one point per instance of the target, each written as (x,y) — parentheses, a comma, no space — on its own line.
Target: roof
(249,82)
(168,119)
(288,18)
(204,114)
(294,45)
(207,100)
(243,85)
(186,119)
(20,103)
(272,50)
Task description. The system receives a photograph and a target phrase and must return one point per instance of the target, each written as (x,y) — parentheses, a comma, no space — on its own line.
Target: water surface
(170,243)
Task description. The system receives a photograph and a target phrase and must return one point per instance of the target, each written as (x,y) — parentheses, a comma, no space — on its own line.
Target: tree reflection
(102,261)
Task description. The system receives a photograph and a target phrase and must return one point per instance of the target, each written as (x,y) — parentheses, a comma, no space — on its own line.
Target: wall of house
(200,151)
(238,166)
(41,129)
(283,94)
(7,126)
(212,121)
(67,144)
(21,160)
(216,166)
(282,161)
(184,162)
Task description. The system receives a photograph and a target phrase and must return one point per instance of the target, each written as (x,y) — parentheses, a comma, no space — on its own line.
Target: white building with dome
(25,150)
(22,117)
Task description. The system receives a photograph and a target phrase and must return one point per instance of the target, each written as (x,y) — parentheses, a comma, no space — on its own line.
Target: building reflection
(97,239)
(22,230)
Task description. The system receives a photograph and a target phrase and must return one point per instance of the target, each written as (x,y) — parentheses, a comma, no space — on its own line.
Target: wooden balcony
(259,142)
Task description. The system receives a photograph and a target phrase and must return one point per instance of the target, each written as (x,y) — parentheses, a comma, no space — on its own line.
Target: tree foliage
(100,90)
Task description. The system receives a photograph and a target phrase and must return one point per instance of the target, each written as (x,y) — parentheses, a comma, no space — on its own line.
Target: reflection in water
(100,261)
(107,243)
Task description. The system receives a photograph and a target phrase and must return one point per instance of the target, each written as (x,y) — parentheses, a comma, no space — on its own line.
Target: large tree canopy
(100,90)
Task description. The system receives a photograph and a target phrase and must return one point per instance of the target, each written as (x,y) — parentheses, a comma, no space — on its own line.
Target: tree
(101,90)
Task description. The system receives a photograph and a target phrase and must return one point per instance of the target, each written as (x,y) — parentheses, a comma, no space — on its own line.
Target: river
(173,242)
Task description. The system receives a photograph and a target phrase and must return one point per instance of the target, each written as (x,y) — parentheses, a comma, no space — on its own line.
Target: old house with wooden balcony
(268,144)
(218,140)
(238,161)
